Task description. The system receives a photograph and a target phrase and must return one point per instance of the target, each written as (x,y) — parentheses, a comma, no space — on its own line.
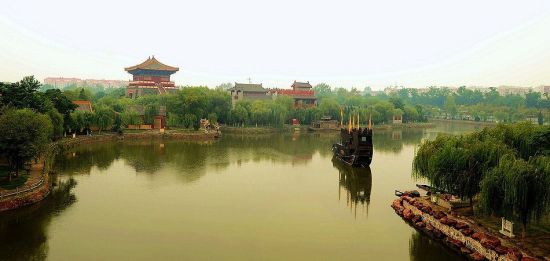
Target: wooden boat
(355,147)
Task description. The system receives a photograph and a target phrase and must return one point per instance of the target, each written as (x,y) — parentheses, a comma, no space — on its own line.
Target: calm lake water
(273,197)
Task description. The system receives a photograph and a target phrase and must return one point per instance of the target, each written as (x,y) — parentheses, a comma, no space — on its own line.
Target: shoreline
(460,234)
(32,193)
(305,128)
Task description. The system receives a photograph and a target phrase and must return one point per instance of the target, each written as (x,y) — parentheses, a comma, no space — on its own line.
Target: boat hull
(359,158)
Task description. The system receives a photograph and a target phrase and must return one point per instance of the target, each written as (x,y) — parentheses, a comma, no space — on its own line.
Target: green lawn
(16,182)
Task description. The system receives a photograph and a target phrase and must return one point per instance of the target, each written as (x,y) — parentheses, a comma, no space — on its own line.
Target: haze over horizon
(348,44)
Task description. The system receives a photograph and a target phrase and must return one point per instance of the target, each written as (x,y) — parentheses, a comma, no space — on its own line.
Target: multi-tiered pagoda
(150,77)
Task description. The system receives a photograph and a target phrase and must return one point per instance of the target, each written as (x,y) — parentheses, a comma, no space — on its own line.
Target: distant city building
(248,91)
(84,105)
(544,90)
(60,82)
(502,90)
(150,77)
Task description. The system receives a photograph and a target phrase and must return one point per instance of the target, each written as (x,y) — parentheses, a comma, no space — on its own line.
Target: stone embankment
(460,235)
(25,197)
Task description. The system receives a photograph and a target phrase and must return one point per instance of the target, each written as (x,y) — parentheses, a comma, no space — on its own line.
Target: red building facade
(301,92)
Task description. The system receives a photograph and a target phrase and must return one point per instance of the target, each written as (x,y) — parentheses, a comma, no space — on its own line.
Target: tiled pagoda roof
(152,64)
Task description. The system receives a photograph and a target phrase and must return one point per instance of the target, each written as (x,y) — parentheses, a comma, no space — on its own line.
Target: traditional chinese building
(159,120)
(150,77)
(84,105)
(248,91)
(301,92)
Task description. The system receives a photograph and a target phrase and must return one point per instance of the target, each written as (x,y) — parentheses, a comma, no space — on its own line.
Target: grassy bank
(15,182)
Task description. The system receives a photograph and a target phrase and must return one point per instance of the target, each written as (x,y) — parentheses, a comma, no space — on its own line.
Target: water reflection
(394,140)
(192,158)
(422,248)
(23,233)
(357,183)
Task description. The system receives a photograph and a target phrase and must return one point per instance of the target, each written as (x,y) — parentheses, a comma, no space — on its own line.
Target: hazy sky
(343,43)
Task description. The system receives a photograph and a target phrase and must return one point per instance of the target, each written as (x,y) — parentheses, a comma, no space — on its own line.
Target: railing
(31,187)
(28,187)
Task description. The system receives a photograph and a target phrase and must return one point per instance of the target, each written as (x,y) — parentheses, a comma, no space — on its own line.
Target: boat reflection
(357,183)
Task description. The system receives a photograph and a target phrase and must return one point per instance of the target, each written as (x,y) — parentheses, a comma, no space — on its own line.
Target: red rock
(399,211)
(407,198)
(478,236)
(407,214)
(501,250)
(426,209)
(477,256)
(396,204)
(439,214)
(429,227)
(455,243)
(461,225)
(514,254)
(443,220)
(451,222)
(465,251)
(528,258)
(466,231)
(490,242)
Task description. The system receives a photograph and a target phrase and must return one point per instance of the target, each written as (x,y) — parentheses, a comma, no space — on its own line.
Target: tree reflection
(23,232)
(194,159)
(394,140)
(357,182)
(81,159)
(423,248)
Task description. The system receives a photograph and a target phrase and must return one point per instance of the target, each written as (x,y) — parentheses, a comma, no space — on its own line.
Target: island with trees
(504,174)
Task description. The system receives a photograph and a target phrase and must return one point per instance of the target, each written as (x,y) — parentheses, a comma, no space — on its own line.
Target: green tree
(322,90)
(62,104)
(24,94)
(24,135)
(518,189)
(83,95)
(457,164)
(239,114)
(150,112)
(450,105)
(82,120)
(131,118)
(57,122)
(104,118)
(532,99)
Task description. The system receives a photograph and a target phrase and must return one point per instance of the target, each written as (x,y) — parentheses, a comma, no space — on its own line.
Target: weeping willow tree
(518,189)
(457,164)
(525,138)
(508,165)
